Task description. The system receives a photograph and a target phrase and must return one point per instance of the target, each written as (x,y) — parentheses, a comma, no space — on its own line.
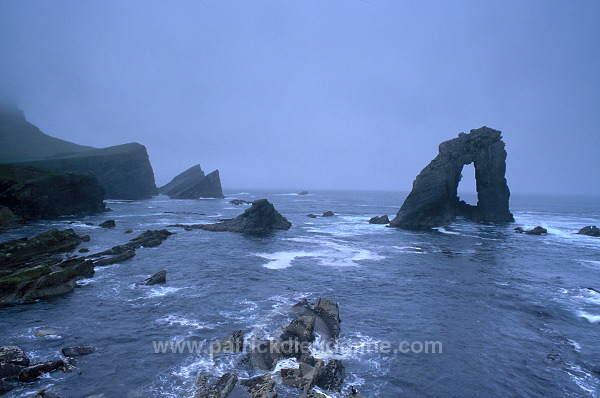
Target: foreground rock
(535,231)
(220,388)
(32,193)
(260,218)
(194,184)
(260,386)
(379,220)
(37,268)
(159,277)
(590,230)
(433,200)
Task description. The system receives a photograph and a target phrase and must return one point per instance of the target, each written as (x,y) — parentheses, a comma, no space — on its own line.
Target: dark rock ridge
(193,184)
(590,230)
(379,220)
(259,218)
(37,268)
(433,200)
(32,193)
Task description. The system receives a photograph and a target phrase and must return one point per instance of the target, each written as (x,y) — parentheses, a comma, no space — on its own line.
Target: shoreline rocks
(37,268)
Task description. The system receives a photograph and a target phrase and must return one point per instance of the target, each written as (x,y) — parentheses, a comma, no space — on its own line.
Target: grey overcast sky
(315,94)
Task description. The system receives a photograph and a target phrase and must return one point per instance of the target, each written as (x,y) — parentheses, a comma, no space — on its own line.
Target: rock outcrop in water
(123,171)
(32,193)
(260,218)
(379,220)
(194,184)
(590,230)
(433,200)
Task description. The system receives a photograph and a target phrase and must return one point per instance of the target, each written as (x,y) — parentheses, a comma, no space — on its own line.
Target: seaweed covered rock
(259,218)
(433,200)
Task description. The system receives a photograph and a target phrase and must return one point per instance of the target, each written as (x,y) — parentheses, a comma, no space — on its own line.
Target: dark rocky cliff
(433,200)
(32,193)
(194,184)
(124,171)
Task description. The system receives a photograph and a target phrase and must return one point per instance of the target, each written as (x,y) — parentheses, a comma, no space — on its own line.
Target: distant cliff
(32,193)
(194,184)
(123,171)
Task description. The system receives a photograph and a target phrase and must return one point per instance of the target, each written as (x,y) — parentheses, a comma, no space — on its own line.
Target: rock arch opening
(467,186)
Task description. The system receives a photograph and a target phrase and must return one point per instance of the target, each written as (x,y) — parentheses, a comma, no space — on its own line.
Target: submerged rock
(194,184)
(46,331)
(379,220)
(33,193)
(303,193)
(240,202)
(260,218)
(590,230)
(433,200)
(159,277)
(312,215)
(76,351)
(108,224)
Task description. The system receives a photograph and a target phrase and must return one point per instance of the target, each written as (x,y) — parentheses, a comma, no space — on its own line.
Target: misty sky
(314,94)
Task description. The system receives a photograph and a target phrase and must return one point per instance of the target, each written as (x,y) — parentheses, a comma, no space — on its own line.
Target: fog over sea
(513,312)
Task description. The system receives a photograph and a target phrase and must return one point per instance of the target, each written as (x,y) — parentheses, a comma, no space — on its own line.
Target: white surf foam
(178,320)
(590,317)
(445,231)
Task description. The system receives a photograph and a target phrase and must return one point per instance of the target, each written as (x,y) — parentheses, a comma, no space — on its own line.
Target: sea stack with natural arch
(433,200)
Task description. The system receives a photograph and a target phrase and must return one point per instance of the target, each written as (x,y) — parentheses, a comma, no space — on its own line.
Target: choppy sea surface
(513,313)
